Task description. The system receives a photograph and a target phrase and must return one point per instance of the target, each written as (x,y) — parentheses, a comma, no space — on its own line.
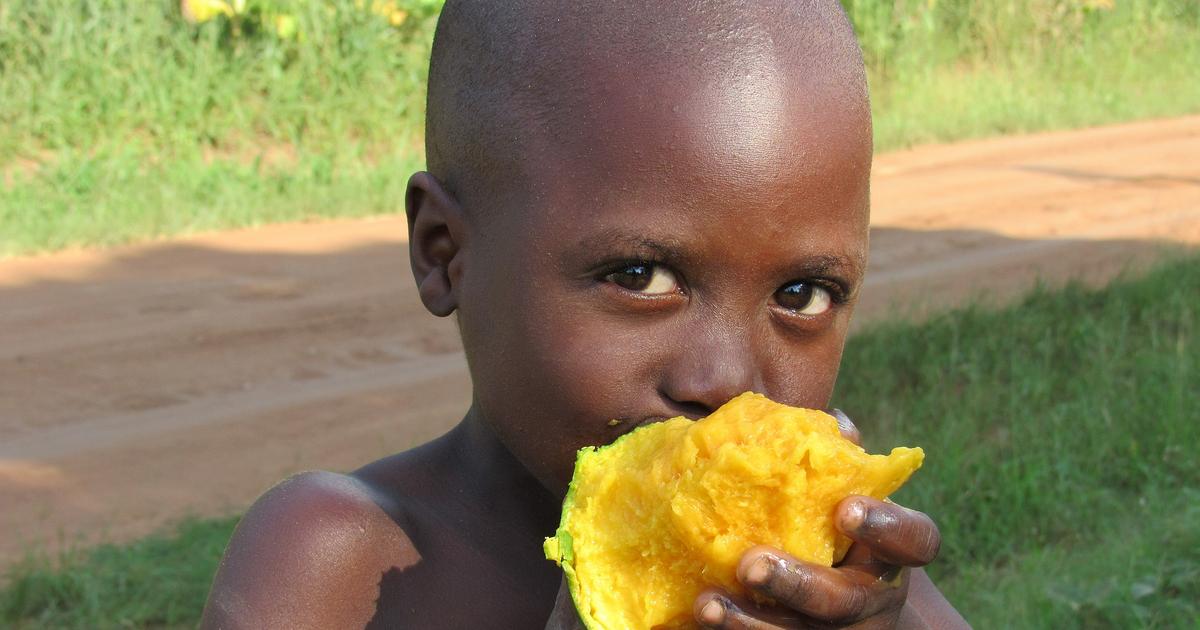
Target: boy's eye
(645,278)
(805,298)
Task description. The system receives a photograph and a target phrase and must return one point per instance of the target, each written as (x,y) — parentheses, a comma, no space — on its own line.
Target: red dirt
(143,384)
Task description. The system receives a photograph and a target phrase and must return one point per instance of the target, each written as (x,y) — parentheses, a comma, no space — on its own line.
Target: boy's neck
(495,479)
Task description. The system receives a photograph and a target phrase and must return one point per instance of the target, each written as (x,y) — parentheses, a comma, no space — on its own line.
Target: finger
(564,615)
(824,593)
(717,609)
(859,558)
(893,534)
(846,426)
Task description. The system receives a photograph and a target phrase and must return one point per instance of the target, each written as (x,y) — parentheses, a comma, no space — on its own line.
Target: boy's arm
(927,607)
(308,554)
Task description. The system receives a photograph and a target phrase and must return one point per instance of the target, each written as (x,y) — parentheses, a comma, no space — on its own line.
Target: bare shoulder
(309,553)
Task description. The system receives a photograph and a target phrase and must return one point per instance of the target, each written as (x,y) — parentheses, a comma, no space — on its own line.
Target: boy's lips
(624,425)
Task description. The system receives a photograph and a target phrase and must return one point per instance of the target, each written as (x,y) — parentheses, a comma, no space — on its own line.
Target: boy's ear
(436,233)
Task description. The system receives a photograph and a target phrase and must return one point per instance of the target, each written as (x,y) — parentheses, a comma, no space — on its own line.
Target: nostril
(689,409)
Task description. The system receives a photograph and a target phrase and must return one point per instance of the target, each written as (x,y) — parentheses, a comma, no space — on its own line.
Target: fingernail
(842,419)
(713,613)
(759,571)
(846,426)
(853,516)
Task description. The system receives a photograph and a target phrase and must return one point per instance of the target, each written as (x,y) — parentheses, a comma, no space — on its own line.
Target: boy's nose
(706,375)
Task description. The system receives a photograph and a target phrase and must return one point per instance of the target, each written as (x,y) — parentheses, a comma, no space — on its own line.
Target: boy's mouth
(625,425)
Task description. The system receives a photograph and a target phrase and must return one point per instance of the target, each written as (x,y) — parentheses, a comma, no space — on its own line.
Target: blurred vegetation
(120,124)
(1059,431)
(123,121)
(951,69)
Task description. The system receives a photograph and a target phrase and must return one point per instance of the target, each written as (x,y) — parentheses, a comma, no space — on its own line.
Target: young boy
(637,210)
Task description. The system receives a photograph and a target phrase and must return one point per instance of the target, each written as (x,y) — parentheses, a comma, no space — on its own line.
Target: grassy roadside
(1056,433)
(159,581)
(120,121)
(947,70)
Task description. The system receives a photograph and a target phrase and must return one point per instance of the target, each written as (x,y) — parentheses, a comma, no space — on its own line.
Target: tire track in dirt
(147,383)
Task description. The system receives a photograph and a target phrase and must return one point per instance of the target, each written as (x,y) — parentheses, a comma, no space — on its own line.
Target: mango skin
(667,510)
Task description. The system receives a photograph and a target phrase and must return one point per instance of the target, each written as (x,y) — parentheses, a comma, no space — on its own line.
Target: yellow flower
(198,11)
(285,26)
(389,10)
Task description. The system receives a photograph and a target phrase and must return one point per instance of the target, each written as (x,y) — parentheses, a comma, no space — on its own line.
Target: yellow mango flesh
(667,510)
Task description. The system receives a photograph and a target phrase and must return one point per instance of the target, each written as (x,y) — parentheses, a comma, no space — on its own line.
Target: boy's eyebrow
(619,240)
(829,263)
(671,250)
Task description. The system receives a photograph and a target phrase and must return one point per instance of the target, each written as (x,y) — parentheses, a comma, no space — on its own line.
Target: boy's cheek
(551,380)
(596,374)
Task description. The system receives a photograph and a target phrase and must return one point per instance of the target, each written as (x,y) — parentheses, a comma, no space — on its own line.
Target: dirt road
(152,382)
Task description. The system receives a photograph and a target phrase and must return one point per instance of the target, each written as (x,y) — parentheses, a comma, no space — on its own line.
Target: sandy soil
(148,383)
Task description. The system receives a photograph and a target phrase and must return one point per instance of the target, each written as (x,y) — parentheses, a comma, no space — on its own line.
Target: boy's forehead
(749,95)
(770,131)
(707,89)
(768,119)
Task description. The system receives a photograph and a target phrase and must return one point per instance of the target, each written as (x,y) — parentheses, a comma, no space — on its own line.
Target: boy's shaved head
(513,78)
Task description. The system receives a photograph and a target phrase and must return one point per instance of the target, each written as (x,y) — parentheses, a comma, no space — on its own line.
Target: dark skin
(682,247)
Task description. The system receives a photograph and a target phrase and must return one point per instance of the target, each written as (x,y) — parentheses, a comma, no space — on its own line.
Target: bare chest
(467,580)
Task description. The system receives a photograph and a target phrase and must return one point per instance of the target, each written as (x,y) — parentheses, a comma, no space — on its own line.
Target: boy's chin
(558,481)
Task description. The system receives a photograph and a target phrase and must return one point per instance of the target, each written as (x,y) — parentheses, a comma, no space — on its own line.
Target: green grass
(160,581)
(107,199)
(119,121)
(1059,432)
(947,70)
(1060,435)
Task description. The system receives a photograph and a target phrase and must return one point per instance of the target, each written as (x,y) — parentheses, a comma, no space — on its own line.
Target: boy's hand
(867,590)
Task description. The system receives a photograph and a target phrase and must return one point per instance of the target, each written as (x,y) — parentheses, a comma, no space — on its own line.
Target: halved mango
(668,509)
